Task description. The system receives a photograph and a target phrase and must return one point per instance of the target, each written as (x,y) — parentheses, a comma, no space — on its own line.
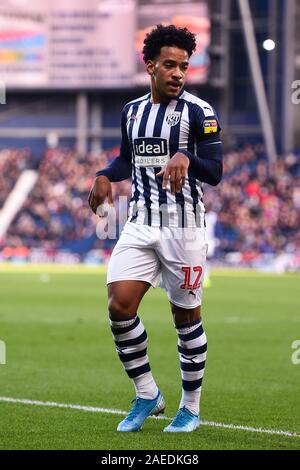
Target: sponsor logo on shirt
(210,126)
(132,118)
(151,151)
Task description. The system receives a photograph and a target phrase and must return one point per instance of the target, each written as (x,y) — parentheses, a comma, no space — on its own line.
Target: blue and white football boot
(184,421)
(140,411)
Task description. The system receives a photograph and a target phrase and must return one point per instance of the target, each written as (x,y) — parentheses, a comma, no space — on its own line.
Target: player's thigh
(132,269)
(124,298)
(183,259)
(131,260)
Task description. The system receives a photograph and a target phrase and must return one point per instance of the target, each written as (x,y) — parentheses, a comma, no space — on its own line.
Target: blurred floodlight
(269,45)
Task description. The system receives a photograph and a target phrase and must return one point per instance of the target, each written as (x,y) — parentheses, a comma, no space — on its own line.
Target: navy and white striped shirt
(151,135)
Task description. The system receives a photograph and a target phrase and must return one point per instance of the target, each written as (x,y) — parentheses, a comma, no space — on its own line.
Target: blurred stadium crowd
(257,206)
(12,163)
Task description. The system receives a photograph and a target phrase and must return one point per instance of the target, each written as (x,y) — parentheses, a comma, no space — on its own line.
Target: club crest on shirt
(173,118)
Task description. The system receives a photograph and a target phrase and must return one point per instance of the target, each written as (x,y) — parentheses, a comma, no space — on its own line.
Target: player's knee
(185,316)
(119,307)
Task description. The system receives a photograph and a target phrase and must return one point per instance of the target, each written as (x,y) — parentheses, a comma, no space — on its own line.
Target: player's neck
(157,98)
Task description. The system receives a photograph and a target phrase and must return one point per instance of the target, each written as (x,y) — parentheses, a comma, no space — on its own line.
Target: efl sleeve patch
(210,126)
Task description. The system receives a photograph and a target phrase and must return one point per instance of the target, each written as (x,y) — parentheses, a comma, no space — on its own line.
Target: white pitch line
(93,409)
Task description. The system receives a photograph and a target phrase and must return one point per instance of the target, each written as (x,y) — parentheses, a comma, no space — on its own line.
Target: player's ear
(150,67)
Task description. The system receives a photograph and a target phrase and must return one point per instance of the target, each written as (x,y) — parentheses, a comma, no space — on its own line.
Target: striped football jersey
(151,135)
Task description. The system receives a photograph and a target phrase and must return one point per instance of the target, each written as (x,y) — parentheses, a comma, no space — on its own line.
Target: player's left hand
(176,172)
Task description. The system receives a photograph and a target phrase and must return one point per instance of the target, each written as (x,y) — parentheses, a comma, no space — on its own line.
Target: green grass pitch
(59,348)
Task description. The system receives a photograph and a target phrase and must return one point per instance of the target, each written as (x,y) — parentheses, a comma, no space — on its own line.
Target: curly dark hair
(168,36)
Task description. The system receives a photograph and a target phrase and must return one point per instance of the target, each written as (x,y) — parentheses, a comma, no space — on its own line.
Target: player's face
(168,73)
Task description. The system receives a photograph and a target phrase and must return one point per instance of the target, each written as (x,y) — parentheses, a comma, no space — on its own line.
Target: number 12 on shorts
(187,277)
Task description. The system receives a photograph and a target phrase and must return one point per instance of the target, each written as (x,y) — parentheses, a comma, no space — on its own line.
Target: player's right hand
(101,190)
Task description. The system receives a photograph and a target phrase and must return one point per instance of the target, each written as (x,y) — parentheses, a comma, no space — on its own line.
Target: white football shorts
(172,258)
